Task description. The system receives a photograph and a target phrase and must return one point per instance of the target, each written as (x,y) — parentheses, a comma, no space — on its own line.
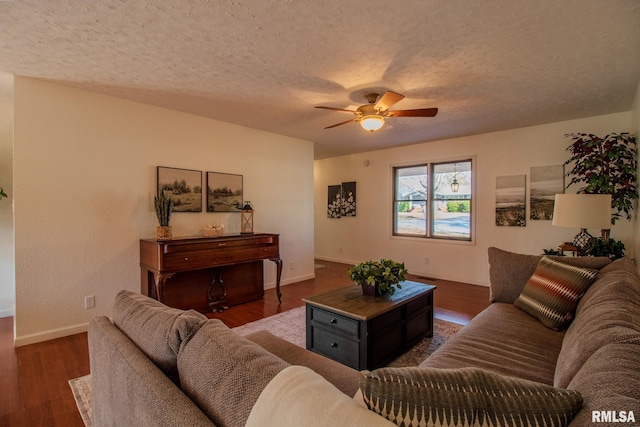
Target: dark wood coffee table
(366,332)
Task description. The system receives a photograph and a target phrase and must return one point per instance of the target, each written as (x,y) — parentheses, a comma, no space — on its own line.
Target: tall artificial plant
(2,194)
(164,206)
(605,166)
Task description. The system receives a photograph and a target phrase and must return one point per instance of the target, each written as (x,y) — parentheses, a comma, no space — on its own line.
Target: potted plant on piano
(378,277)
(164,206)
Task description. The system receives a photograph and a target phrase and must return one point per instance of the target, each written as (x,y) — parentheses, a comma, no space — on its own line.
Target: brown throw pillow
(465,397)
(552,293)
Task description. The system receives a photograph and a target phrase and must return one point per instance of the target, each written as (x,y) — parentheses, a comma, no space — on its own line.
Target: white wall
(7,288)
(512,152)
(84,181)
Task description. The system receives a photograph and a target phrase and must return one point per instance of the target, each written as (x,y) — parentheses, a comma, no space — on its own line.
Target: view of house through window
(433,200)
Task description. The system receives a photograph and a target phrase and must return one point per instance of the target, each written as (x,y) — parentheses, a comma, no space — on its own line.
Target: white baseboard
(50,335)
(290,280)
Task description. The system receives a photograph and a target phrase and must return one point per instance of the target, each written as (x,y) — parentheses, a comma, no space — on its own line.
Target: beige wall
(84,181)
(512,152)
(7,288)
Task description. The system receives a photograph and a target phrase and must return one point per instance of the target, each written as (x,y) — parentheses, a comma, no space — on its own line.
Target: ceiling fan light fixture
(372,122)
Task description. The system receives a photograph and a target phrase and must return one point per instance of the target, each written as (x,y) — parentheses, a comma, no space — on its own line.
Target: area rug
(81,389)
(289,325)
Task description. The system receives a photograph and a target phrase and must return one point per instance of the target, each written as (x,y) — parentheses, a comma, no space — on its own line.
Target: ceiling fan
(371,116)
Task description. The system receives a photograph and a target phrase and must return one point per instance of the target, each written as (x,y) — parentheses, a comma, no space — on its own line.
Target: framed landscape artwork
(546,182)
(224,192)
(511,201)
(183,186)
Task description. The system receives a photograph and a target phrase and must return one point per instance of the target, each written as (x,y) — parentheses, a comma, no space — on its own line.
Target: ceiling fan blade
(419,112)
(335,109)
(341,123)
(387,100)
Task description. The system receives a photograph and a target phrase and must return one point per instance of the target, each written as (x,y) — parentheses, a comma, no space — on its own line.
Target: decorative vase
(163,232)
(371,290)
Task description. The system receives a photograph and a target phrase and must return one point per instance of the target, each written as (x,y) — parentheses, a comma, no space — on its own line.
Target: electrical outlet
(292,266)
(340,250)
(89,301)
(426,260)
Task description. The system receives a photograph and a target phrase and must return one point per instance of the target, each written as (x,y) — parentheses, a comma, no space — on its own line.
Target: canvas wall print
(348,199)
(334,201)
(511,201)
(224,192)
(546,182)
(183,186)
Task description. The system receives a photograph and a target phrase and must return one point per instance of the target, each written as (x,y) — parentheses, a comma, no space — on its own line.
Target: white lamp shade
(372,122)
(582,211)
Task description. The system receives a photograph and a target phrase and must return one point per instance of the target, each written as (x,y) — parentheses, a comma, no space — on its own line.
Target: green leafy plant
(605,166)
(2,194)
(164,206)
(611,248)
(386,273)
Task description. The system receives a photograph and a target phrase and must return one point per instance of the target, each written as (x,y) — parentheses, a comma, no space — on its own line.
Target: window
(433,200)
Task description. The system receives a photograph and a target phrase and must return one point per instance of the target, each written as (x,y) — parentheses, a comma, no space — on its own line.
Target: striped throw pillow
(552,293)
(432,397)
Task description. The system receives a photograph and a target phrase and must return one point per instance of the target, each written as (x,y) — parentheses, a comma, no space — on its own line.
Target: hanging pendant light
(455,186)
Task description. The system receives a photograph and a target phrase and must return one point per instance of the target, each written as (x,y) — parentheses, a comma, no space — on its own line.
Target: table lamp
(583,211)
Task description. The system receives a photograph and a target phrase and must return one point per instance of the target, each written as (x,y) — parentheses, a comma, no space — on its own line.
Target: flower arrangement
(386,274)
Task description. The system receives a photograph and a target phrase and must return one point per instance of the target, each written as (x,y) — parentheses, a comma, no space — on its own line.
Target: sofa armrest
(128,389)
(343,377)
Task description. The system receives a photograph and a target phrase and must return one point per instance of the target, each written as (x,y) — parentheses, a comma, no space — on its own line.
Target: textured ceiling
(487,65)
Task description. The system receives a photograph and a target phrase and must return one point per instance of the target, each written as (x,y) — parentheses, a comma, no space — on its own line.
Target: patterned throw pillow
(552,293)
(465,397)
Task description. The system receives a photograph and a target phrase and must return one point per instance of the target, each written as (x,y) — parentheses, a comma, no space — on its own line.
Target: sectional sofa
(531,356)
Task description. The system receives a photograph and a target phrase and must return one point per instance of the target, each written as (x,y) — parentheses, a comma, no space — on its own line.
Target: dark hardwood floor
(33,379)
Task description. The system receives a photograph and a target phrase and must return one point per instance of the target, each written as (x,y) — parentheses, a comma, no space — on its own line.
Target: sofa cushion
(553,291)
(463,397)
(505,340)
(299,397)
(156,329)
(509,272)
(224,373)
(608,313)
(609,381)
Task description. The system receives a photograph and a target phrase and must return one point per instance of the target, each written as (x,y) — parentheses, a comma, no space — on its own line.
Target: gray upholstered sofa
(153,365)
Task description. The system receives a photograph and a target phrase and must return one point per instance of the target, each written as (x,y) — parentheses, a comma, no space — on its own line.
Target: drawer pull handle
(222,244)
(334,344)
(333,321)
(186,258)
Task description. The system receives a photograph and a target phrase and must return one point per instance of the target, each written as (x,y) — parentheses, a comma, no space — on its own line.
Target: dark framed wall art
(334,201)
(348,199)
(224,192)
(183,186)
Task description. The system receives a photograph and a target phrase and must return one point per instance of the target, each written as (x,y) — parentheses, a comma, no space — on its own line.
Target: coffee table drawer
(333,321)
(336,347)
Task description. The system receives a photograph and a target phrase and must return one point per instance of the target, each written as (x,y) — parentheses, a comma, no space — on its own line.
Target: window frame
(430,201)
